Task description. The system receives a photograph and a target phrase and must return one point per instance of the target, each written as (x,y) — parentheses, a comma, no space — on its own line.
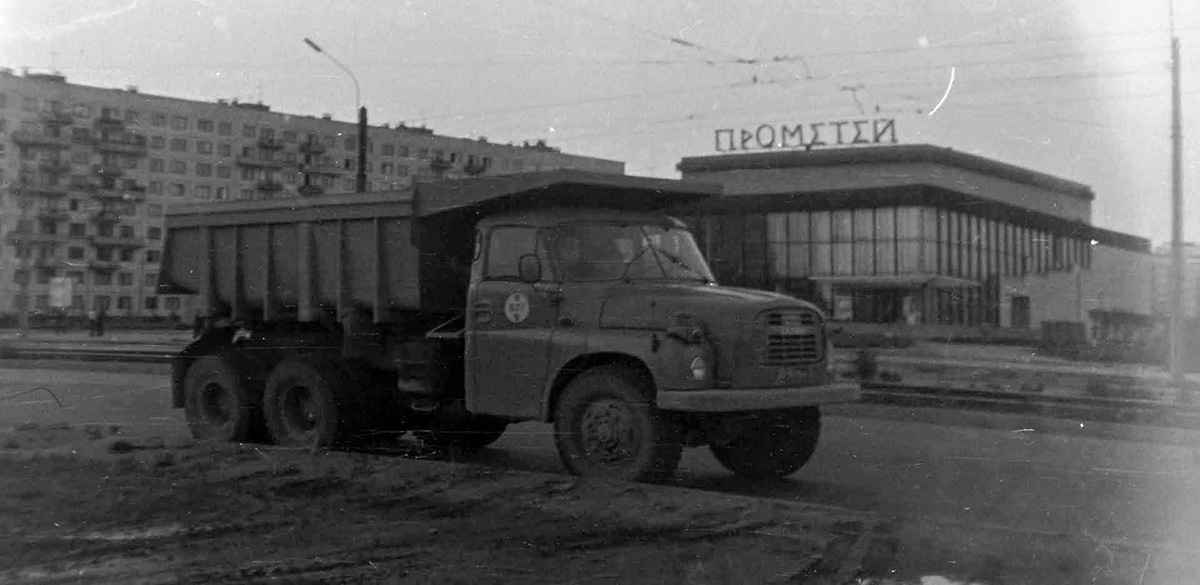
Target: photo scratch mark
(35,389)
(945,95)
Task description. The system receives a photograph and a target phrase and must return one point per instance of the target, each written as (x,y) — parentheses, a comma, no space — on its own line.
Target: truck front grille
(793,337)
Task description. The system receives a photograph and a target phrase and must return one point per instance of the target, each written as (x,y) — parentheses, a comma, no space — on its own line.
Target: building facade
(915,234)
(87,173)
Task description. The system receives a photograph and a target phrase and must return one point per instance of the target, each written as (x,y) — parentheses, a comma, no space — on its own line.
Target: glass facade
(918,264)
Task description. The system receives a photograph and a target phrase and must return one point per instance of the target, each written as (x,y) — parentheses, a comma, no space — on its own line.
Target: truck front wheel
(216,402)
(776,447)
(300,403)
(605,426)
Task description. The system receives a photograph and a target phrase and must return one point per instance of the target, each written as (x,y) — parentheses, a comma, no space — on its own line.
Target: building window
(204,147)
(74,205)
(224,149)
(157,165)
(132,117)
(222,194)
(124,303)
(77,230)
(178,190)
(75,253)
(204,169)
(179,123)
(150,303)
(154,187)
(80,157)
(389,149)
(172,303)
(246,194)
(154,209)
(249,131)
(104,279)
(402,151)
(351,142)
(102,302)
(158,119)
(179,144)
(225,128)
(29,104)
(205,125)
(224,171)
(126,255)
(153,256)
(124,279)
(203,192)
(41,302)
(178,167)
(158,142)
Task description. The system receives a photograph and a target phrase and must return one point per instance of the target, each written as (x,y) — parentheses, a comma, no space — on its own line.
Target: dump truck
(455,308)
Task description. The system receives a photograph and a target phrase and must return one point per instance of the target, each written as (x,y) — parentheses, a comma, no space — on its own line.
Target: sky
(1076,88)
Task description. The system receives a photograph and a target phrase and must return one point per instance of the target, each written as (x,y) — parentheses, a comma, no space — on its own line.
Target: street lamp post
(361,182)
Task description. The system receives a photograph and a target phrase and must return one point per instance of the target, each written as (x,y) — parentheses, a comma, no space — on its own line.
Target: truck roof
(475,197)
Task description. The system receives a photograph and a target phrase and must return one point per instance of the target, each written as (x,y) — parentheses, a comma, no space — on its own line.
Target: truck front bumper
(748,399)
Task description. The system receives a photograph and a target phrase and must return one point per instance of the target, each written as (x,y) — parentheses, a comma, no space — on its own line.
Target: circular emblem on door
(516,307)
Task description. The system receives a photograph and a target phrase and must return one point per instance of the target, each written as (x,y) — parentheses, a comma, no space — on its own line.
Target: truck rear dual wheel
(606,426)
(778,445)
(217,403)
(300,403)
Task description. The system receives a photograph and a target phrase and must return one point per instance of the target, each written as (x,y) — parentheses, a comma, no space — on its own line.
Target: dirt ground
(92,505)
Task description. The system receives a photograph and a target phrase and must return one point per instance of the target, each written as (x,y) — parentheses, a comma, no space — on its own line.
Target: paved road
(1124,496)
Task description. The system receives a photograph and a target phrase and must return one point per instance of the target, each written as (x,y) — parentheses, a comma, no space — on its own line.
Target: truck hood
(650,306)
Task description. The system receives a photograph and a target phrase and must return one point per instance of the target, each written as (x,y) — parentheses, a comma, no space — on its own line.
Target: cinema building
(920,235)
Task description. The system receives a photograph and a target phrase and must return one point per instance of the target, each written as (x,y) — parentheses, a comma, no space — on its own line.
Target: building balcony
(18,237)
(103,265)
(118,241)
(46,262)
(325,169)
(37,189)
(105,216)
(311,190)
(312,147)
(52,214)
(476,169)
(109,124)
(107,170)
(54,166)
(270,186)
(28,138)
(118,193)
(253,161)
(135,147)
(58,118)
(270,143)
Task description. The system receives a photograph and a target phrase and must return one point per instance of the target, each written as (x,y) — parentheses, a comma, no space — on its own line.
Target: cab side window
(506,245)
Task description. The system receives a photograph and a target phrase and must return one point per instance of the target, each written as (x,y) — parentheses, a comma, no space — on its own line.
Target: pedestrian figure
(93,318)
(100,323)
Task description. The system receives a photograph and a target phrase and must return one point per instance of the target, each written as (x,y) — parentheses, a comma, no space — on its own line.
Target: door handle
(482,311)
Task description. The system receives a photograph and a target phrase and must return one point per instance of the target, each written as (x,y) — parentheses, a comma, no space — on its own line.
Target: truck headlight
(699,369)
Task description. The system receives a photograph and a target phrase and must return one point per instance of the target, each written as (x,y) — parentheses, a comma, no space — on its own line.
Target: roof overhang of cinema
(904,175)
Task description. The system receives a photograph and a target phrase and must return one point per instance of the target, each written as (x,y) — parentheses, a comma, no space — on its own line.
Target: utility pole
(1177,257)
(360,182)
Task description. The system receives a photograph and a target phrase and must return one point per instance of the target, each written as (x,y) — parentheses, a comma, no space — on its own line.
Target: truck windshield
(605,251)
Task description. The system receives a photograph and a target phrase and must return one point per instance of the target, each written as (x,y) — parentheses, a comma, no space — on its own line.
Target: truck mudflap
(747,399)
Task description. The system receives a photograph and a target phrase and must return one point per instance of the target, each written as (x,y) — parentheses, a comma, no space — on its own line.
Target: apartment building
(86,174)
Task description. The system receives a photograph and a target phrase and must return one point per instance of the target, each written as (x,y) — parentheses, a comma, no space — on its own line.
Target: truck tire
(300,403)
(216,402)
(778,446)
(473,433)
(606,426)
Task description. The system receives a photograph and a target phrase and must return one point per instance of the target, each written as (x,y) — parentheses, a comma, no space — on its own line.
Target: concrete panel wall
(1117,280)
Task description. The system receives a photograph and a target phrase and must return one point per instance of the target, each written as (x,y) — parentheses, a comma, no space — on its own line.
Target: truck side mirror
(529,269)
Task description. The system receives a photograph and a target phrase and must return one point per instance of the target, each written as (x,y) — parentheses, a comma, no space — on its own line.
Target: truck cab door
(509,328)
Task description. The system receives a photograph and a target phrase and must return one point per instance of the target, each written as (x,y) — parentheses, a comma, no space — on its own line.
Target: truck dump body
(382,254)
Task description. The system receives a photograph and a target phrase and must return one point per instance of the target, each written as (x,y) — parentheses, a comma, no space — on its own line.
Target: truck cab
(459,307)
